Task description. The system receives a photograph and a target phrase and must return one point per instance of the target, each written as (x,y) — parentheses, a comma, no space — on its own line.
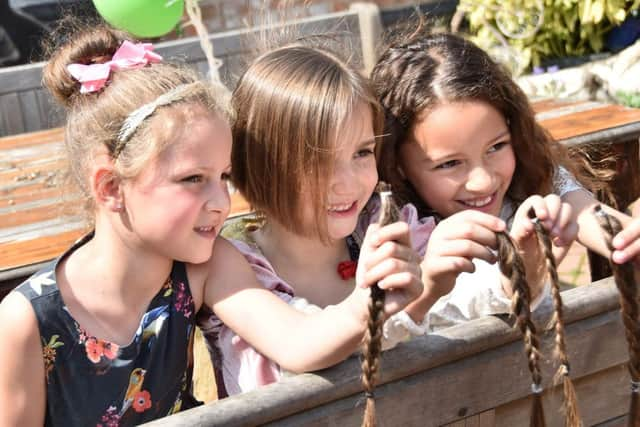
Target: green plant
(523,33)
(630,99)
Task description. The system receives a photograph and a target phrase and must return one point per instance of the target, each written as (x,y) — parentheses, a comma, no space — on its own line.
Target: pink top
(238,366)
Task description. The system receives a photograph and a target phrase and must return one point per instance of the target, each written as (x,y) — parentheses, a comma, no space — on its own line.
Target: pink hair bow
(93,77)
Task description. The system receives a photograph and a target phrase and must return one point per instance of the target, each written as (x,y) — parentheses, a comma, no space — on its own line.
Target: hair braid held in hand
(572,414)
(372,344)
(624,278)
(512,266)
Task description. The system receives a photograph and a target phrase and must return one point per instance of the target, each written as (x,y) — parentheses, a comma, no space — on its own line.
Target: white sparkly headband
(135,118)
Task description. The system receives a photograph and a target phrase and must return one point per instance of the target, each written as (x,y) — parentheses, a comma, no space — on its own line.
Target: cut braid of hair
(372,344)
(572,414)
(625,282)
(512,266)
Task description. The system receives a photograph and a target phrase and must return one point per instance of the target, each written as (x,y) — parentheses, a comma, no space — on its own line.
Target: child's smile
(460,157)
(354,175)
(183,193)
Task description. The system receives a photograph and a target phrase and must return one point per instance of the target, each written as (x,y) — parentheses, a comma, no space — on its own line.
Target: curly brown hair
(420,71)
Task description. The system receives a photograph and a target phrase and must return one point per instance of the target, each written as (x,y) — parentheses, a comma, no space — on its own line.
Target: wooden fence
(25,106)
(474,374)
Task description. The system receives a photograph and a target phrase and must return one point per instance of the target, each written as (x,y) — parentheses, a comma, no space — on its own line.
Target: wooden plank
(601,396)
(571,108)
(34,243)
(18,253)
(420,378)
(487,418)
(20,78)
(30,111)
(591,121)
(616,422)
(53,114)
(32,138)
(552,104)
(10,116)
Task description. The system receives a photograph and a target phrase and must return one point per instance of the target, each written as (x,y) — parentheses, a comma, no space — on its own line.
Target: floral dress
(92,382)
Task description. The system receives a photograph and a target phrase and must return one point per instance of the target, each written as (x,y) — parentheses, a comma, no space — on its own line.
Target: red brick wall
(223,15)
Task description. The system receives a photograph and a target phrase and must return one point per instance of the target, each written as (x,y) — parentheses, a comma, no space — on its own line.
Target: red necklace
(347,269)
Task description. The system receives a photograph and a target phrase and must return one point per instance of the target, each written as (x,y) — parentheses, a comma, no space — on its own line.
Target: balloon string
(195,17)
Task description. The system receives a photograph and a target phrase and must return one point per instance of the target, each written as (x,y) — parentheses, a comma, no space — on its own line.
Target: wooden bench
(474,374)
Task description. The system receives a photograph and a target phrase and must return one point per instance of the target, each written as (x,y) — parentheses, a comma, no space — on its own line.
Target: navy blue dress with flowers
(92,382)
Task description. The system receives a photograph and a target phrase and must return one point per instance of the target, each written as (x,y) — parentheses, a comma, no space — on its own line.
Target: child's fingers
(629,234)
(398,232)
(478,228)
(388,267)
(554,208)
(539,206)
(546,209)
(390,249)
(482,219)
(405,280)
(468,249)
(630,252)
(565,229)
(448,264)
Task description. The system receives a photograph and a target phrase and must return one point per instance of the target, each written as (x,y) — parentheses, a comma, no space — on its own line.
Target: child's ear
(107,187)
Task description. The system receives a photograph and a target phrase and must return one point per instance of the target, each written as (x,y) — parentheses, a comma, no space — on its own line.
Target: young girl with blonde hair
(103,335)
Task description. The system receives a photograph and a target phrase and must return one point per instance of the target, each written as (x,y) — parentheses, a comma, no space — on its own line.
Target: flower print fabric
(94,382)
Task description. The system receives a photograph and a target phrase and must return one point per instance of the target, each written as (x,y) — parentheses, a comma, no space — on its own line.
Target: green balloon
(142,18)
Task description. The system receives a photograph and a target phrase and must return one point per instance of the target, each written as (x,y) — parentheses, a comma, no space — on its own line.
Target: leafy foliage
(523,33)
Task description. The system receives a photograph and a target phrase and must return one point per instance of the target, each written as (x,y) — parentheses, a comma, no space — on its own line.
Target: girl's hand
(453,244)
(387,258)
(627,242)
(553,213)
(555,217)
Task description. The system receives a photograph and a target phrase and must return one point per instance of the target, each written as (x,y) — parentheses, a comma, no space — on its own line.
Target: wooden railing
(474,374)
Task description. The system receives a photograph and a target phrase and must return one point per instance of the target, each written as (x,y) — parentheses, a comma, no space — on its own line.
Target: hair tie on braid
(372,344)
(570,404)
(512,266)
(623,275)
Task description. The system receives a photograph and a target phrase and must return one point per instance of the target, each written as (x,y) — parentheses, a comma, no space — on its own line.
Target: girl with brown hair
(303,157)
(462,140)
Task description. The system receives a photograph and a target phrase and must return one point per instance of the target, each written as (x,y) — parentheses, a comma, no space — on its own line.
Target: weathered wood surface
(456,374)
(25,106)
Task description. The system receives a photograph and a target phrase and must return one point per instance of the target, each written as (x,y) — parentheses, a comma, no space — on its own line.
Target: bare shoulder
(228,271)
(22,369)
(16,310)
